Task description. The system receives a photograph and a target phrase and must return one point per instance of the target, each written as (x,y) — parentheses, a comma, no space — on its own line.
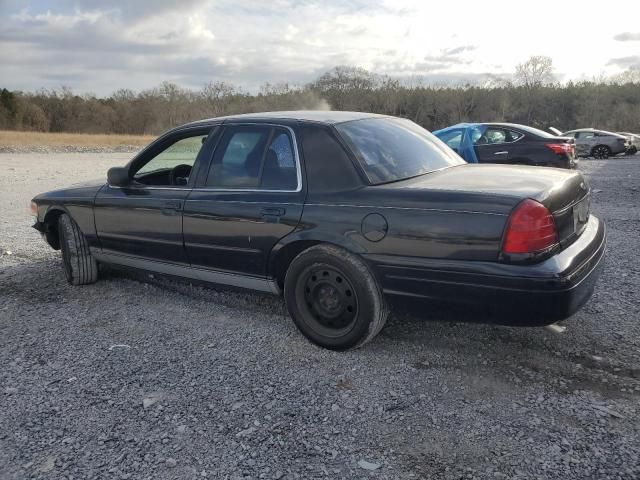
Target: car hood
(77,190)
(489,188)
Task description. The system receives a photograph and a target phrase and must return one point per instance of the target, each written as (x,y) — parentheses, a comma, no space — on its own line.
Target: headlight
(33,209)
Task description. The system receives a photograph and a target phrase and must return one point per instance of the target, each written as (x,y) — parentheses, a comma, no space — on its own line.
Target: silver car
(598,143)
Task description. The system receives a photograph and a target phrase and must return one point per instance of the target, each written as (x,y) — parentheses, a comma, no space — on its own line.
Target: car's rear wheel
(601,151)
(333,298)
(80,268)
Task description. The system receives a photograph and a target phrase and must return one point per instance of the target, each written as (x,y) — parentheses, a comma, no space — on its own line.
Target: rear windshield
(535,131)
(391,149)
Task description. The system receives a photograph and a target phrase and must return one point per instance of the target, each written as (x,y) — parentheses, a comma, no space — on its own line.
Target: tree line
(530,97)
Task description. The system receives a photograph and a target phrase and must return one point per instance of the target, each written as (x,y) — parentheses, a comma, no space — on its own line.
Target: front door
(252,197)
(144,219)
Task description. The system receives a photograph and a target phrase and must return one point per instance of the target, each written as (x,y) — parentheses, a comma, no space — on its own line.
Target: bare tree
(535,72)
(604,102)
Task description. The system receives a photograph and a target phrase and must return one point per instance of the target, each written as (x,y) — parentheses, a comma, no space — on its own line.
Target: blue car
(508,143)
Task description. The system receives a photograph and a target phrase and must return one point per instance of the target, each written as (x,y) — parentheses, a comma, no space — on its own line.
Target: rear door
(585,141)
(492,146)
(250,198)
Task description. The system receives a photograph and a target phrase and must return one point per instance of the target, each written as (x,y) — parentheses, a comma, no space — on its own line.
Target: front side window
(391,149)
(584,135)
(172,166)
(254,157)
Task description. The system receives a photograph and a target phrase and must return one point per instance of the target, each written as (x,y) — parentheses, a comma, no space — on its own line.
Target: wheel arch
(599,145)
(292,245)
(50,223)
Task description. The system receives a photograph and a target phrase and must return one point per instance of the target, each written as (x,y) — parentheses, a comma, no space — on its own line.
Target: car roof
(606,132)
(516,126)
(320,116)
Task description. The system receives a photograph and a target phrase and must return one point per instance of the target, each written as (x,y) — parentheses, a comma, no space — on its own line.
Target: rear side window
(254,157)
(327,165)
(513,136)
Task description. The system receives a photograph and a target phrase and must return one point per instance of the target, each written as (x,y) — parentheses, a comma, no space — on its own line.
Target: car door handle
(272,211)
(503,152)
(171,207)
(272,214)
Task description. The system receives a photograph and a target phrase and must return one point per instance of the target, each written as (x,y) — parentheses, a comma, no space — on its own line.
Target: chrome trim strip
(405,208)
(295,155)
(211,276)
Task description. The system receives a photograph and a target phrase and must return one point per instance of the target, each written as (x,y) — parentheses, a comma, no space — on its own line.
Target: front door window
(172,166)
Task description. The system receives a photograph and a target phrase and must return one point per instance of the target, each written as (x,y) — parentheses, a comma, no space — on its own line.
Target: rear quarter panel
(410,231)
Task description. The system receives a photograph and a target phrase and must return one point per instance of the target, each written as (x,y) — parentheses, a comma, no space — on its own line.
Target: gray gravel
(48,149)
(146,377)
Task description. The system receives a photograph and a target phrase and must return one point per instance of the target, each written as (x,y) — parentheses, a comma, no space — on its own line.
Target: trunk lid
(500,188)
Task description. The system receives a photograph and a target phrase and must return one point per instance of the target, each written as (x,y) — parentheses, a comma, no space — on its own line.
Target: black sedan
(509,143)
(339,212)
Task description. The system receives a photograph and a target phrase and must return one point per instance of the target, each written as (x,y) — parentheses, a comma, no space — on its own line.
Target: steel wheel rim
(329,301)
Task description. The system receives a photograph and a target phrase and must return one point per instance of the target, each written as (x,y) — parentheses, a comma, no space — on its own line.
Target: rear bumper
(537,294)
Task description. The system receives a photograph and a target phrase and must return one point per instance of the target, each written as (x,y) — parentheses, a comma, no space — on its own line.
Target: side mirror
(118,177)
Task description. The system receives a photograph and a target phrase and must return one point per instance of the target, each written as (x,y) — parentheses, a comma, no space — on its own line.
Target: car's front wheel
(601,151)
(80,268)
(333,298)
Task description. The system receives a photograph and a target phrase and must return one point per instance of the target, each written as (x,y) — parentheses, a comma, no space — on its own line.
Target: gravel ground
(145,377)
(48,149)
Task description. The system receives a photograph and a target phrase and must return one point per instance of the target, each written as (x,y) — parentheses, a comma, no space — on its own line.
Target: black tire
(334,298)
(80,268)
(601,151)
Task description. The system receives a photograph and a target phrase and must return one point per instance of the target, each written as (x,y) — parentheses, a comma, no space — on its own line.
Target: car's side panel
(75,201)
(410,232)
(494,153)
(222,278)
(532,151)
(234,231)
(144,222)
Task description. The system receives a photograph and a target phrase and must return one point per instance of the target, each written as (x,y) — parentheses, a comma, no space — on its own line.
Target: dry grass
(9,138)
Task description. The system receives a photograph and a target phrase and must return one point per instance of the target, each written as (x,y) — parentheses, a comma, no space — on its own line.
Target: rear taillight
(560,148)
(530,229)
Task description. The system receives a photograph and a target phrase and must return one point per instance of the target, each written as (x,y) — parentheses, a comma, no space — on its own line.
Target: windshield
(391,149)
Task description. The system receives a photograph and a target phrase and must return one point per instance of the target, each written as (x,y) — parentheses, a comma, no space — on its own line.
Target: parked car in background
(597,143)
(339,212)
(508,143)
(634,139)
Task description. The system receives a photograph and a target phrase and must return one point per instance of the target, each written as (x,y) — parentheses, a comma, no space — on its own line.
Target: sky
(99,46)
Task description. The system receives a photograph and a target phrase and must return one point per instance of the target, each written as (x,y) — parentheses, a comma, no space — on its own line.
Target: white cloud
(99,46)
